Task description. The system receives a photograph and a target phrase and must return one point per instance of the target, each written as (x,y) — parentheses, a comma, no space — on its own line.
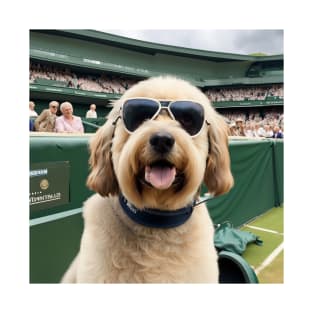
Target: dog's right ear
(218,177)
(102,177)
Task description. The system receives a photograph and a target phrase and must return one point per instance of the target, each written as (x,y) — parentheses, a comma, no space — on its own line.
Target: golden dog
(162,139)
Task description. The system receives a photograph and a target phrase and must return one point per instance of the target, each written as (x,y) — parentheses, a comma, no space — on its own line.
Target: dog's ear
(218,177)
(102,178)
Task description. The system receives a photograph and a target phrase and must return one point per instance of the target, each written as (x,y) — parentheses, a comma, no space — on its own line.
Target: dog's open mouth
(160,174)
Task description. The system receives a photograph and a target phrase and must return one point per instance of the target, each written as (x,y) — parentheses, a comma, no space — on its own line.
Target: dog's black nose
(162,142)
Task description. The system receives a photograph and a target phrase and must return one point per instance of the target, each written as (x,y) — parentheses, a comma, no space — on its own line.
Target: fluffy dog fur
(114,249)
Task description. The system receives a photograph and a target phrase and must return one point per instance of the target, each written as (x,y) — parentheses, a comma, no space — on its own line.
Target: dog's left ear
(102,178)
(218,177)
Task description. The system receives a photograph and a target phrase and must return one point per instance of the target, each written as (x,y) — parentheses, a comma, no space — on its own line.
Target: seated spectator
(31,125)
(32,112)
(67,122)
(277,132)
(91,113)
(233,130)
(240,127)
(260,130)
(45,122)
(254,128)
(268,131)
(248,130)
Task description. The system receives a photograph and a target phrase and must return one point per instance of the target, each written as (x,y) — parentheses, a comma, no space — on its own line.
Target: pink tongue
(160,177)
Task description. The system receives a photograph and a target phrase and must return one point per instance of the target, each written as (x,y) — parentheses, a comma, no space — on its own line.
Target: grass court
(268,259)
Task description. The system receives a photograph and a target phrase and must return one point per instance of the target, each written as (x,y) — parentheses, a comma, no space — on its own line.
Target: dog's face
(160,161)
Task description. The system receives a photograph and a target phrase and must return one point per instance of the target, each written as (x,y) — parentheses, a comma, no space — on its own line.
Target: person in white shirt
(260,130)
(91,113)
(254,129)
(32,112)
(248,130)
(268,131)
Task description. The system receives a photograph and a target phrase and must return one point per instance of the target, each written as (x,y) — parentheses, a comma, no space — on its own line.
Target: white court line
(270,258)
(264,229)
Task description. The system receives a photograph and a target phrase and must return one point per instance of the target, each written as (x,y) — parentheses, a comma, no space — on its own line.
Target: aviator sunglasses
(188,113)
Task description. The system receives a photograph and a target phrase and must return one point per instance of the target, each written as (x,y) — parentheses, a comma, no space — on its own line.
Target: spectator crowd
(251,124)
(99,83)
(247,93)
(116,84)
(268,125)
(48,121)
(241,123)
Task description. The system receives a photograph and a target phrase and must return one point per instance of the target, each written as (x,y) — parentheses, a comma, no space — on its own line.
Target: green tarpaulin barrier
(257,167)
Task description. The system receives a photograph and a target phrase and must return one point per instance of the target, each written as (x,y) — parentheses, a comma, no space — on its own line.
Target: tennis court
(268,259)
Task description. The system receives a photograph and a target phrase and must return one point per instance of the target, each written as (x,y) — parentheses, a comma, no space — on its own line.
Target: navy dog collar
(154,217)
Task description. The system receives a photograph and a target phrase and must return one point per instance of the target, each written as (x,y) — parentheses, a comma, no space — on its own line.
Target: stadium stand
(86,66)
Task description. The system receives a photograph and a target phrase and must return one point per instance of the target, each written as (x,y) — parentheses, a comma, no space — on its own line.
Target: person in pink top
(67,122)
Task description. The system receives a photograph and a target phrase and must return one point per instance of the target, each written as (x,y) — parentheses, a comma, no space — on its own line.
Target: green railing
(92,125)
(249,103)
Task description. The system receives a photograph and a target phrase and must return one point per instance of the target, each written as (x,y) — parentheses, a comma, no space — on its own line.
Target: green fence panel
(55,231)
(278,151)
(254,189)
(53,246)
(71,149)
(91,125)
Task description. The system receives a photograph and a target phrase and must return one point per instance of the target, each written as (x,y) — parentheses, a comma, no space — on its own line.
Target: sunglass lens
(189,114)
(136,111)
